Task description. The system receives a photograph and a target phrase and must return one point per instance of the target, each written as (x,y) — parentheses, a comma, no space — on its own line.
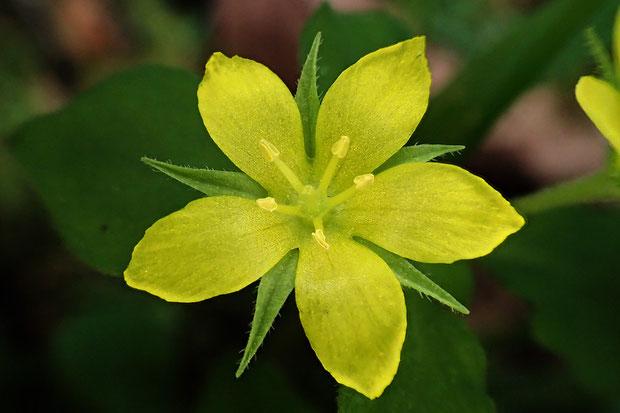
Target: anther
(268,204)
(360,183)
(339,151)
(341,147)
(269,150)
(319,237)
(272,154)
(364,181)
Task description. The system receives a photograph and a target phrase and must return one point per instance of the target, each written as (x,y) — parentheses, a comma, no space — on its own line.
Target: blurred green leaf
(347,37)
(266,389)
(119,355)
(442,366)
(164,34)
(467,107)
(569,63)
(211,182)
(85,160)
(18,70)
(565,262)
(273,290)
(465,25)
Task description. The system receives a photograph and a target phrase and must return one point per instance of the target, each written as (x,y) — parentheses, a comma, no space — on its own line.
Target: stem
(598,187)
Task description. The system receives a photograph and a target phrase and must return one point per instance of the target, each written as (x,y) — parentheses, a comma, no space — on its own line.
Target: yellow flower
(600,100)
(351,304)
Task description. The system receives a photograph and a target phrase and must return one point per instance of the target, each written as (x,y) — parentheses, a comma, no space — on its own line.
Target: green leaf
(411,277)
(466,108)
(307,96)
(418,153)
(85,160)
(268,388)
(274,288)
(117,352)
(565,262)
(211,182)
(348,37)
(463,25)
(442,366)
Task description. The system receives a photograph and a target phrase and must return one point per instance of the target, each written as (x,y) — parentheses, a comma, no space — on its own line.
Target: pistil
(313,203)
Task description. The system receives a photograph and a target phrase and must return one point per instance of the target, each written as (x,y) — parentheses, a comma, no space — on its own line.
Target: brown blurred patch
(266,31)
(544,137)
(86,29)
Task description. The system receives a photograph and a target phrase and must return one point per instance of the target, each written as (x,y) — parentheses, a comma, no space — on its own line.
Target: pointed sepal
(209,181)
(307,96)
(274,288)
(409,276)
(418,153)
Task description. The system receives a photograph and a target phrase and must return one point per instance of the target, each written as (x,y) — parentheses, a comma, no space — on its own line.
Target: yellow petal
(431,212)
(213,246)
(377,103)
(242,102)
(601,102)
(353,311)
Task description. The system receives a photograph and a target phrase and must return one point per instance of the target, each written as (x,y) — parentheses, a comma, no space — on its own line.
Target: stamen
(269,150)
(319,237)
(339,151)
(318,223)
(364,181)
(341,147)
(272,154)
(268,204)
(360,183)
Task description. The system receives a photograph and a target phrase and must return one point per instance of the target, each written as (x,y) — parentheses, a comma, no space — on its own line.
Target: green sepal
(307,96)
(601,57)
(209,181)
(409,276)
(274,288)
(418,153)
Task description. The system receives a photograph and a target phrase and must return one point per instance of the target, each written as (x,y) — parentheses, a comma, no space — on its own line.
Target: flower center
(313,204)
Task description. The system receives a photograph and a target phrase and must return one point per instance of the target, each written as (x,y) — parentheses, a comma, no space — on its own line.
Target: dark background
(72,339)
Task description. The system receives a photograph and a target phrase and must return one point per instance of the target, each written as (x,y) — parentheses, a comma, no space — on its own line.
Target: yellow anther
(339,151)
(272,154)
(364,181)
(341,147)
(268,204)
(319,237)
(269,150)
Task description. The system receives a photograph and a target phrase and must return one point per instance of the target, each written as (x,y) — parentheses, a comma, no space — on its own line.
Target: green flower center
(313,204)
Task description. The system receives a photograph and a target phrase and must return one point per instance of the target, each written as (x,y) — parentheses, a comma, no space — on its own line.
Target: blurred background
(75,339)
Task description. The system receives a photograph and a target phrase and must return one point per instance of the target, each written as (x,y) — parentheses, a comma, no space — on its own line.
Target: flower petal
(353,311)
(213,246)
(242,102)
(377,103)
(431,212)
(601,102)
